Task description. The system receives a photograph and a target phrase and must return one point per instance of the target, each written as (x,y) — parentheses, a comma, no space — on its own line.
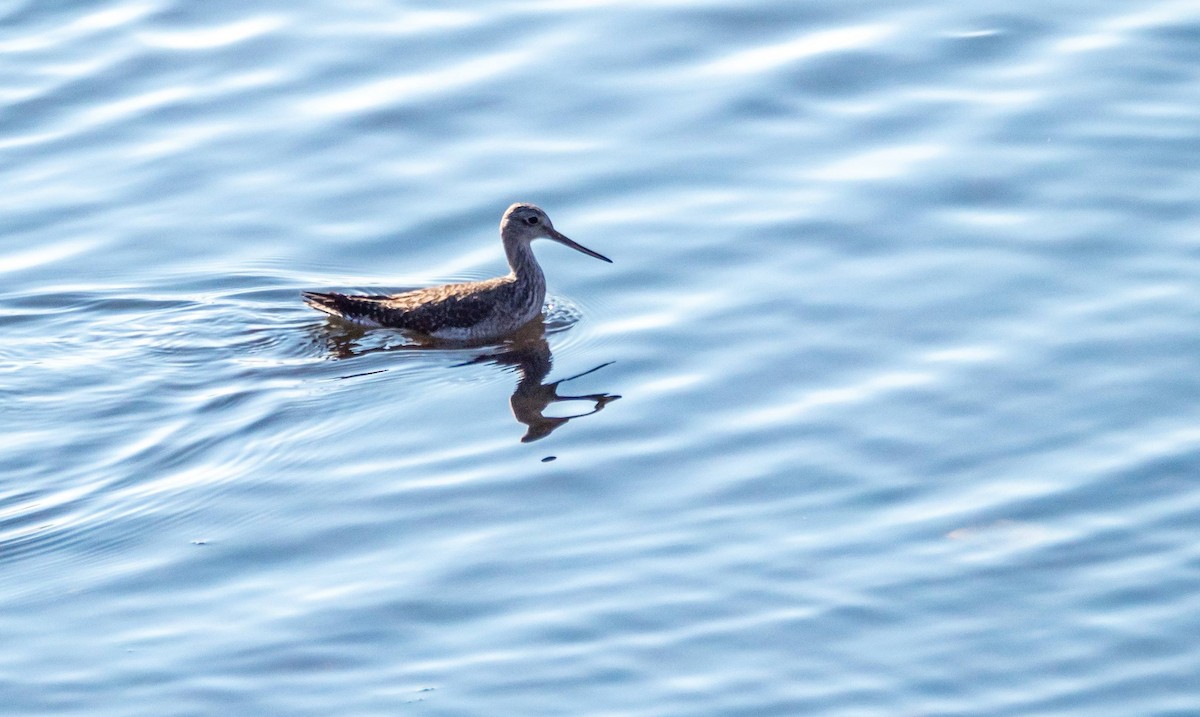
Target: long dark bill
(561,239)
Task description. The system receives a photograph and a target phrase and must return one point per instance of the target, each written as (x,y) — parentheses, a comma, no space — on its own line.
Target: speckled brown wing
(424,310)
(447,311)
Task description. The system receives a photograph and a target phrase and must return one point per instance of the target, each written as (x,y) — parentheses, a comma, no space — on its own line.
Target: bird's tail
(322,302)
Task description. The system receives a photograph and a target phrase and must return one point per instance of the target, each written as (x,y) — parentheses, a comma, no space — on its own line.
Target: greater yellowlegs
(471,311)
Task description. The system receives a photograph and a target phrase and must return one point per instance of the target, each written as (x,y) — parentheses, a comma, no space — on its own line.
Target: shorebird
(471,311)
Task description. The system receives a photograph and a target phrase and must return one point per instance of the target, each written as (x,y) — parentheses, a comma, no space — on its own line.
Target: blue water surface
(888,404)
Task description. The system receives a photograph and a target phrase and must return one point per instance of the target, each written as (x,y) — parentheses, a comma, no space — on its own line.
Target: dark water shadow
(527,350)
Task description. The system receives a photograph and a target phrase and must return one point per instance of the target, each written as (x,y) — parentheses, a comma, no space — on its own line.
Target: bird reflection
(531,397)
(527,350)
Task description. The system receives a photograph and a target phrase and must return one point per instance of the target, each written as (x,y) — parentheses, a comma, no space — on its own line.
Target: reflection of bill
(527,350)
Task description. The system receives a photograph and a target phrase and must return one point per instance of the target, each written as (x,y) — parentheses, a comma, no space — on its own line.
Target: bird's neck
(524,265)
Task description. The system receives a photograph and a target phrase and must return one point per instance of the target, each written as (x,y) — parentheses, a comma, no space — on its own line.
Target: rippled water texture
(886,406)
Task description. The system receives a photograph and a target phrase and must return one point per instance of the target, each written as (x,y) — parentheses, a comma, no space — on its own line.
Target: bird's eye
(531,220)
